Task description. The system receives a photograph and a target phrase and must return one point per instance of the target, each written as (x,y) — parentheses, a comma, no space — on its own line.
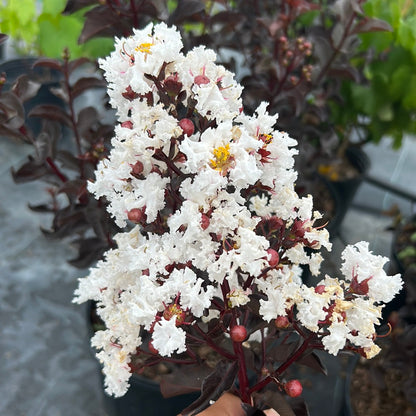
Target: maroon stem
(242,373)
(213,345)
(56,170)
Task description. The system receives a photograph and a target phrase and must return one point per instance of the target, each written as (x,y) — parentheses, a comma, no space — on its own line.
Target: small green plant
(384,102)
(40,28)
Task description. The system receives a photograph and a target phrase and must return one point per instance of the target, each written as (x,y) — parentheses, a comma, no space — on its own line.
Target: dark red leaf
(48,63)
(100,21)
(186,9)
(313,361)
(213,386)
(87,117)
(230,18)
(51,112)
(183,380)
(89,250)
(74,5)
(273,399)
(12,111)
(25,88)
(41,208)
(29,171)
(61,93)
(371,24)
(84,84)
(68,160)
(76,63)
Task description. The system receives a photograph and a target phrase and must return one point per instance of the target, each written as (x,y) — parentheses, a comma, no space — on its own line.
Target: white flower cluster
(210,191)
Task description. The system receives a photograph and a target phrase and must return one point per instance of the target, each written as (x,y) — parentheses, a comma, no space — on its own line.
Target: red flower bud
(320,289)
(281,322)
(137,168)
(135,215)
(187,126)
(238,333)
(273,257)
(293,388)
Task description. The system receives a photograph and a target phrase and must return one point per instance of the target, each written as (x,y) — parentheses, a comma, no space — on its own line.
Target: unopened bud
(238,333)
(293,388)
(135,215)
(273,257)
(187,126)
(281,322)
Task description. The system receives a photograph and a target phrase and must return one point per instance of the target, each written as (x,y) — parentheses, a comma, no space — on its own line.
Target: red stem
(56,170)
(242,373)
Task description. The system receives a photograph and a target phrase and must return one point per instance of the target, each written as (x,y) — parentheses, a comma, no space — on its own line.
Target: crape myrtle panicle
(213,224)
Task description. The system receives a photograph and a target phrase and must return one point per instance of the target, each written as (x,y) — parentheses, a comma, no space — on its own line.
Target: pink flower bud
(273,256)
(127,124)
(201,80)
(187,126)
(238,333)
(320,289)
(293,388)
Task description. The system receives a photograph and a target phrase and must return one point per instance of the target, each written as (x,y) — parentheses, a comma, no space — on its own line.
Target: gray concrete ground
(46,365)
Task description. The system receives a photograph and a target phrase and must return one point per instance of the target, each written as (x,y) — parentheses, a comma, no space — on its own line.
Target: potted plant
(215,238)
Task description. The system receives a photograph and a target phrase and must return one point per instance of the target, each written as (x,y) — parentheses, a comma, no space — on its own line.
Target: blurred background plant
(38,28)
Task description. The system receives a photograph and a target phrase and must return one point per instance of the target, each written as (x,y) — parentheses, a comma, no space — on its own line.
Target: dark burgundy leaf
(42,208)
(87,117)
(84,84)
(230,18)
(51,112)
(68,160)
(11,133)
(44,146)
(89,250)
(29,171)
(185,9)
(313,361)
(100,21)
(299,406)
(183,380)
(372,25)
(74,187)
(13,113)
(25,88)
(48,63)
(61,93)
(3,38)
(273,399)
(213,386)
(74,5)
(76,63)
(280,353)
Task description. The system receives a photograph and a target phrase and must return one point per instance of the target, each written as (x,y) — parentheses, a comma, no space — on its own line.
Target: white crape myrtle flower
(168,338)
(336,339)
(360,262)
(216,92)
(142,53)
(283,290)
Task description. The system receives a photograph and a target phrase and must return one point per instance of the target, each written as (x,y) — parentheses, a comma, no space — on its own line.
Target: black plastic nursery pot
(343,191)
(145,399)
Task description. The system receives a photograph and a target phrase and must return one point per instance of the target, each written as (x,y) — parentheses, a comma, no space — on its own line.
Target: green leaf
(409,99)
(53,7)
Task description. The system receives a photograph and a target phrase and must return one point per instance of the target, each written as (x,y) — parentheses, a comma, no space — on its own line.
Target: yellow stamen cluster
(222,158)
(144,48)
(266,138)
